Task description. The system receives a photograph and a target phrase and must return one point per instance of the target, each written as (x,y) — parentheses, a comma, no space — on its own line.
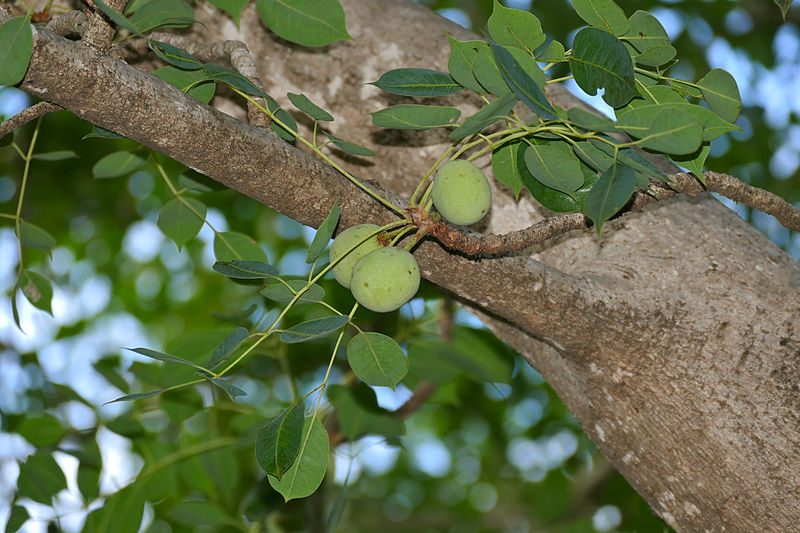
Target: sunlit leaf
(522,83)
(488,74)
(304,104)
(174,55)
(645,32)
(118,164)
(187,81)
(722,94)
(463,55)
(505,165)
(305,22)
(552,51)
(415,117)
(279,441)
(314,329)
(181,219)
(590,121)
(696,161)
(308,469)
(417,82)
(231,78)
(673,132)
(377,359)
(603,14)
(497,109)
(515,27)
(234,246)
(284,291)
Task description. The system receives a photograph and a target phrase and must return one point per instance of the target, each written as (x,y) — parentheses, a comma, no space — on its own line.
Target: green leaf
(227,347)
(359,413)
(40,478)
(497,109)
(187,81)
(784,6)
(304,104)
(57,155)
(234,246)
(284,291)
(488,74)
(181,219)
(137,396)
(282,115)
(590,121)
(231,78)
(230,389)
(324,234)
(102,133)
(645,32)
(696,161)
(514,27)
(245,269)
(118,164)
(417,82)
(174,55)
(463,55)
(603,14)
(673,132)
(121,512)
(305,22)
(505,164)
(279,441)
(610,194)
(37,289)
(163,13)
(593,156)
(722,94)
(558,201)
(42,431)
(167,358)
(630,158)
(415,117)
(521,82)
(231,7)
(198,513)
(348,147)
(554,167)
(91,463)
(314,329)
(656,56)
(377,359)
(117,18)
(18,516)
(600,60)
(552,51)
(35,237)
(308,469)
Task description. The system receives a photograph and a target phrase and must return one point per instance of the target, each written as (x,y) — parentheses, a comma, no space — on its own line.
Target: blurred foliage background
(491,450)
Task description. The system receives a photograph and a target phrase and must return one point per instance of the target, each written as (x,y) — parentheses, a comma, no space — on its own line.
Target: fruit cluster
(382,279)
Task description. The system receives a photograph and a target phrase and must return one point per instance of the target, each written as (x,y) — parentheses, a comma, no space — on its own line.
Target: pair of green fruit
(382,279)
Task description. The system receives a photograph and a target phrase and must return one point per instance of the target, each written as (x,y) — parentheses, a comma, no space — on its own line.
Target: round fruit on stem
(346,240)
(461,192)
(385,279)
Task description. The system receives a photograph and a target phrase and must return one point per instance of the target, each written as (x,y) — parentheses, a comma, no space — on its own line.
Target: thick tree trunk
(675,340)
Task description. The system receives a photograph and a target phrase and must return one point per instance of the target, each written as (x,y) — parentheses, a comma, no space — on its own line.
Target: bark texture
(675,340)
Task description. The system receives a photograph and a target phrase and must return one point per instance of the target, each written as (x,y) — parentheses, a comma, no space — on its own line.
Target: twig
(491,244)
(735,189)
(101,31)
(234,51)
(27,115)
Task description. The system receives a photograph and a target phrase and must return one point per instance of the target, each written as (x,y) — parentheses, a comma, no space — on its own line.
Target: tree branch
(26,115)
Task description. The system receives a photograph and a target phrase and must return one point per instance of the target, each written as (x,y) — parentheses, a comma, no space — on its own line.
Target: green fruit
(385,279)
(346,240)
(461,192)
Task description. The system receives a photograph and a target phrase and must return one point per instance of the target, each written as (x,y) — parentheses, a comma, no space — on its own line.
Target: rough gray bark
(675,340)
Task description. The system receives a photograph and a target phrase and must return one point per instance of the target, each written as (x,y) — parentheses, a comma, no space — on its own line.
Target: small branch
(100,31)
(234,51)
(477,244)
(71,23)
(735,189)
(25,116)
(422,392)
